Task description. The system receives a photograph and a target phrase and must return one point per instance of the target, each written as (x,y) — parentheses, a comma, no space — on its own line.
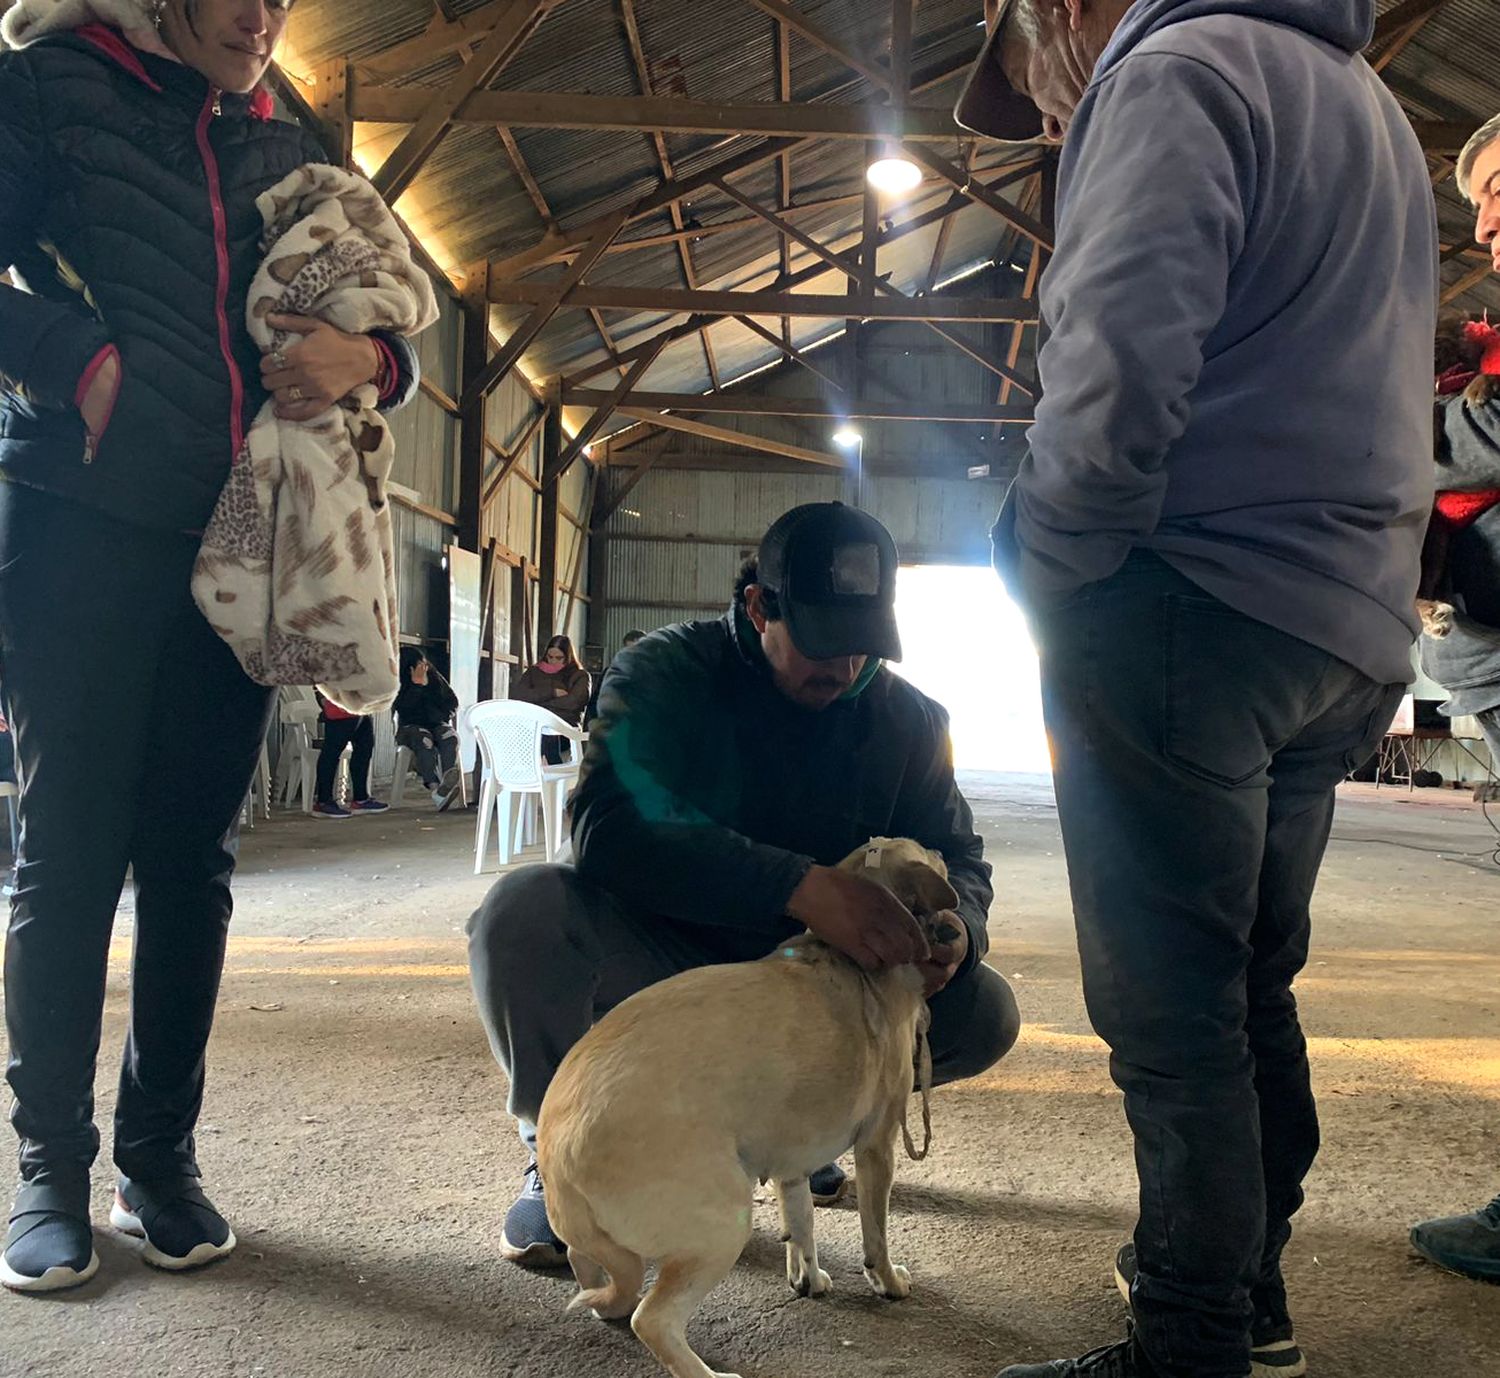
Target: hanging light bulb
(892,174)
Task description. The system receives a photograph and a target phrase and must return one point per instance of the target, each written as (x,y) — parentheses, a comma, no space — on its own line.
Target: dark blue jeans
(1196,753)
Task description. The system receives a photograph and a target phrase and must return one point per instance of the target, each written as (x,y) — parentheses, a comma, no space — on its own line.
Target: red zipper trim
(221,295)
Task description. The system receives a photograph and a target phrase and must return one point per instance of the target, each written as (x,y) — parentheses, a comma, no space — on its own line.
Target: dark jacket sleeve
(931,811)
(1468,445)
(442,692)
(527,688)
(636,831)
(45,346)
(571,707)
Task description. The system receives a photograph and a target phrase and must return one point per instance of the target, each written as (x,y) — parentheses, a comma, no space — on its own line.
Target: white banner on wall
(465,570)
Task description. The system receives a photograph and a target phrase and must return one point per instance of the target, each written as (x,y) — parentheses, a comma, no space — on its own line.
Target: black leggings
(137,734)
(337,734)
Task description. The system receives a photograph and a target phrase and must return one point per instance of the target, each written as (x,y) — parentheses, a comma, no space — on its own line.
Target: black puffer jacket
(706,794)
(127,209)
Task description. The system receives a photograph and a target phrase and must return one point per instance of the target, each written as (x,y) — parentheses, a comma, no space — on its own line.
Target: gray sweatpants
(549,954)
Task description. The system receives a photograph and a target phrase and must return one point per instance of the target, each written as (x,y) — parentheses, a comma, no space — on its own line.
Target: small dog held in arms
(663,1118)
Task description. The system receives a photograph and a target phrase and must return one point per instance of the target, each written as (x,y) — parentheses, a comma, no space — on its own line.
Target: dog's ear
(924,891)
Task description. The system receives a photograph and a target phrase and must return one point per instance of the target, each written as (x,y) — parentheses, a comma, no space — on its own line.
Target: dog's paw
(809,1282)
(1437,617)
(894,1285)
(1483,390)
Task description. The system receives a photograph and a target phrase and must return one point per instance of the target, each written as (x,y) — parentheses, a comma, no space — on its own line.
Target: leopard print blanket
(297,567)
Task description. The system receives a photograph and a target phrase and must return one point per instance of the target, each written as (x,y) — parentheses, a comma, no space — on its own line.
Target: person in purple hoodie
(1216,536)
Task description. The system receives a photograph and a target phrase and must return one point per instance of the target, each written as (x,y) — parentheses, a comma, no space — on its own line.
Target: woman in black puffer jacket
(131,156)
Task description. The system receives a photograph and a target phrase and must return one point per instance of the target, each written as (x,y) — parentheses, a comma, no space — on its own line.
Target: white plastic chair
(510,735)
(11,793)
(299,754)
(259,797)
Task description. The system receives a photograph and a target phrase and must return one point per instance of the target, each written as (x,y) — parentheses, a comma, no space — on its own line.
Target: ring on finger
(278,357)
(294,393)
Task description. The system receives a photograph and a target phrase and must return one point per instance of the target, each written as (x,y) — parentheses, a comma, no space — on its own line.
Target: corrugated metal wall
(677,542)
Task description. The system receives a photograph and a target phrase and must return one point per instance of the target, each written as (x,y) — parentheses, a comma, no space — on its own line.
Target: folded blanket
(297,567)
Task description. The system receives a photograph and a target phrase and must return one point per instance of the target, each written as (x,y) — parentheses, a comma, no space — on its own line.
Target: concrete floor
(354,1133)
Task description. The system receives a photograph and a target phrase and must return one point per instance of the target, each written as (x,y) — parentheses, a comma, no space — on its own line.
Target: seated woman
(557,682)
(425,710)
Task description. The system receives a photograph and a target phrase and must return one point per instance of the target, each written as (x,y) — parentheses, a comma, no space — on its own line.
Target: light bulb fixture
(892,174)
(847,438)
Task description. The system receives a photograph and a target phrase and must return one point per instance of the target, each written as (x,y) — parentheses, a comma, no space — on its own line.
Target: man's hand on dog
(858,917)
(946,957)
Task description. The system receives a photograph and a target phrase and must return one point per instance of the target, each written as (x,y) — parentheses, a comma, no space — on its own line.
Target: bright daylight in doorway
(966,645)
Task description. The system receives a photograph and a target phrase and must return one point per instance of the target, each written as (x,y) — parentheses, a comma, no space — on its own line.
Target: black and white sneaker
(448,790)
(528,1237)
(181,1226)
(49,1246)
(1274,1353)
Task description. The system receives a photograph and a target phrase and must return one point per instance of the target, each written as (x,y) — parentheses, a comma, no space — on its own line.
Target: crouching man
(733,763)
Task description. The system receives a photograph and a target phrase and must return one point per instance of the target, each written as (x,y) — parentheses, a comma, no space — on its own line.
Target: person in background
(135,139)
(340,729)
(592,712)
(1215,537)
(1466,661)
(559,683)
(425,709)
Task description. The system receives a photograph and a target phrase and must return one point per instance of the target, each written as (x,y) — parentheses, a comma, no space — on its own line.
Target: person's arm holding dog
(638,832)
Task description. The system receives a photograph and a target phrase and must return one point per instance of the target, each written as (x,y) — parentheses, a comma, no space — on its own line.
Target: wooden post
(471,421)
(546,601)
(331,107)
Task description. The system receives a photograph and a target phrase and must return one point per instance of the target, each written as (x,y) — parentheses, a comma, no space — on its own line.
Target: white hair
(1484,136)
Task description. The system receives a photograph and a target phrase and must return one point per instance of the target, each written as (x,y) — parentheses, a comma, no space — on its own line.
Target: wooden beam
(1472,278)
(819,37)
(604,407)
(546,600)
(917,223)
(1444,137)
(977,191)
(330,107)
(659,114)
(738,438)
(735,403)
(1028,290)
(643,460)
(865,271)
(548,298)
(523,173)
(471,423)
(902,14)
(561,243)
(675,301)
(509,461)
(1399,17)
(438,40)
(505,40)
(790,350)
(784,163)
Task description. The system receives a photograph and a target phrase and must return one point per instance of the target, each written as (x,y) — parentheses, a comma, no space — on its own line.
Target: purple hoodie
(1242,303)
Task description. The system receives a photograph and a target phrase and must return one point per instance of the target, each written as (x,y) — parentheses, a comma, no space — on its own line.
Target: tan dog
(663,1118)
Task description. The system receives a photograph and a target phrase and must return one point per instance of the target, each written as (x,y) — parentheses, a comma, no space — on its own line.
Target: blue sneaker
(330,810)
(368,806)
(1464,1244)
(528,1237)
(181,1226)
(828,1183)
(50,1245)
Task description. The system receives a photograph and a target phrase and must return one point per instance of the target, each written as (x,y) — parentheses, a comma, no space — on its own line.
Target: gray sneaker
(1465,1244)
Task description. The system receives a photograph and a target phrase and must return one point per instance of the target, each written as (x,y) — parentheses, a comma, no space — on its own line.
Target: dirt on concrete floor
(354,1132)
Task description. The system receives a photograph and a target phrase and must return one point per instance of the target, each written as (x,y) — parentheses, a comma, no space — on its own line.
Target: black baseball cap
(833,571)
(990,105)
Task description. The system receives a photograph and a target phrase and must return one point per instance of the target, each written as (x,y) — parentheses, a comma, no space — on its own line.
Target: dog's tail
(590,1245)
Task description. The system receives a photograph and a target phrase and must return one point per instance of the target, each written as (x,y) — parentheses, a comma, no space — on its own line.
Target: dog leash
(924,1084)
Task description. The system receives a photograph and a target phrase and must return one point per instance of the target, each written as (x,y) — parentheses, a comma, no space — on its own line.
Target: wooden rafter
(862,274)
(439,39)
(743,439)
(1444,138)
(784,163)
(643,460)
(649,114)
(558,245)
(509,459)
(916,224)
(664,161)
(1397,27)
(675,301)
(604,406)
(791,351)
(545,305)
(815,34)
(956,177)
(903,12)
(1472,278)
(505,40)
(821,408)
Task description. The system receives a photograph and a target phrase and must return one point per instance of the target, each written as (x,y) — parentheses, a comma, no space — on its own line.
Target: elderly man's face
(1484,191)
(1055,64)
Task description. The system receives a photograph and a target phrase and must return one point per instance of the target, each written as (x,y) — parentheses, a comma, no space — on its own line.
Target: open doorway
(966,645)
